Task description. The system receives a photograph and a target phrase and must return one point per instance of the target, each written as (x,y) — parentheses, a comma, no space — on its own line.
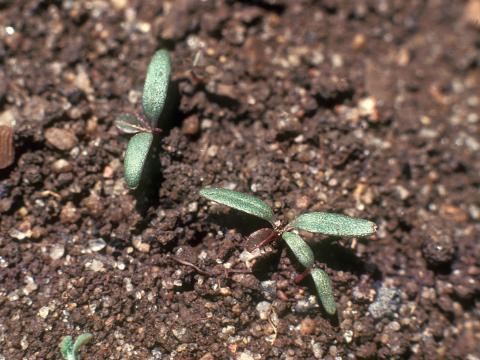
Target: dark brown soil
(366,107)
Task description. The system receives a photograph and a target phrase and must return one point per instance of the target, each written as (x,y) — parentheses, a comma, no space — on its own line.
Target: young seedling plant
(69,349)
(144,126)
(316,222)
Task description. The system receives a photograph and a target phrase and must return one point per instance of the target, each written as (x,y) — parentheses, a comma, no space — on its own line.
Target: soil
(367,108)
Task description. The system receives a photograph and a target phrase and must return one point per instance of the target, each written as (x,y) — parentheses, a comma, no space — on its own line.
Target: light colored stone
(471,13)
(139,245)
(264,309)
(119,4)
(57,251)
(95,266)
(246,355)
(348,336)
(61,139)
(43,312)
(61,166)
(7,118)
(96,244)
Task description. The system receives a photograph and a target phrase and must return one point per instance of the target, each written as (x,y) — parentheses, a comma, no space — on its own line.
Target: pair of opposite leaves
(154,96)
(317,222)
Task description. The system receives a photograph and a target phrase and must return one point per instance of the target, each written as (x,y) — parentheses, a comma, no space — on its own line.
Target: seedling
(317,222)
(145,126)
(69,349)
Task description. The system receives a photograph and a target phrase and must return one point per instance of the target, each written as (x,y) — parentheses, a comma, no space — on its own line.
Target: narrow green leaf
(156,85)
(323,284)
(81,340)
(135,157)
(300,249)
(129,124)
(334,224)
(243,202)
(66,347)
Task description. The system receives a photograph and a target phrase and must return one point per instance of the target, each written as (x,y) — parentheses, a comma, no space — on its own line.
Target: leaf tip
(323,284)
(156,85)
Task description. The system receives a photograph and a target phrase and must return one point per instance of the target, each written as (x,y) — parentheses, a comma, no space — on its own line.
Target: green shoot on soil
(69,349)
(317,222)
(153,101)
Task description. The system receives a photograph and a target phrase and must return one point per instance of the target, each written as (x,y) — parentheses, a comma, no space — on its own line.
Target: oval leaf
(323,284)
(300,249)
(129,124)
(243,202)
(156,85)
(334,224)
(66,347)
(135,157)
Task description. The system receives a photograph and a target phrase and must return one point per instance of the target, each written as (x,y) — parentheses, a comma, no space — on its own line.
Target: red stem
(270,238)
(299,278)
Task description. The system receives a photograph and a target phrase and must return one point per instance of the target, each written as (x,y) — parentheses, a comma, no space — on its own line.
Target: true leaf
(129,124)
(300,249)
(66,347)
(334,224)
(323,284)
(135,157)
(243,202)
(81,340)
(156,85)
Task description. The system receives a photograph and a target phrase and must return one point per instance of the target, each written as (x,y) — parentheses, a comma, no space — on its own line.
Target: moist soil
(367,108)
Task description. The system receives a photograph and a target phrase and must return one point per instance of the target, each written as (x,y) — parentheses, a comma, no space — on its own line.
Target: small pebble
(307,326)
(57,251)
(3,262)
(358,42)
(386,303)
(368,108)
(139,245)
(191,125)
(438,244)
(156,353)
(269,289)
(246,355)
(13,296)
(30,286)
(119,4)
(43,312)
(128,284)
(471,13)
(7,154)
(61,166)
(95,266)
(96,244)
(264,309)
(193,207)
(306,305)
(20,235)
(333,350)
(24,343)
(61,139)
(348,336)
(317,350)
(69,213)
(302,202)
(179,333)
